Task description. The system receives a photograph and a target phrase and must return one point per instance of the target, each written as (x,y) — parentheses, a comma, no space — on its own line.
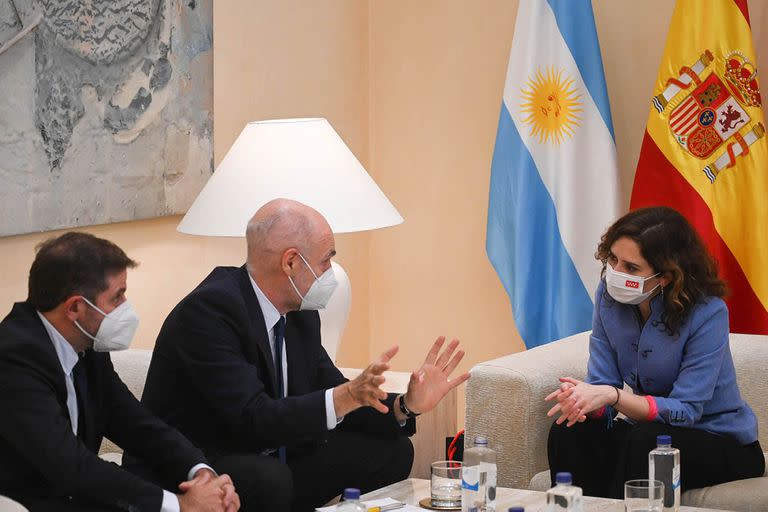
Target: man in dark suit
(239,368)
(59,398)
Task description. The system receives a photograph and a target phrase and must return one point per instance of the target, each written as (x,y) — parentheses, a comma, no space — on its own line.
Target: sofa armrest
(505,403)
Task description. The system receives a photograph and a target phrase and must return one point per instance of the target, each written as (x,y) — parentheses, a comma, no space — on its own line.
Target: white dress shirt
(68,359)
(271,316)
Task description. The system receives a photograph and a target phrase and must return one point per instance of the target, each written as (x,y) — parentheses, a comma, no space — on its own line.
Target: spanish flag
(705,151)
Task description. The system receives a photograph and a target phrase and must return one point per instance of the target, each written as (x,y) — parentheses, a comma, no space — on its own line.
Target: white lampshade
(300,159)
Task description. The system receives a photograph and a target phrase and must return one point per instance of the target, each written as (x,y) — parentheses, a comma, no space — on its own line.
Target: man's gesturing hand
(365,389)
(431,382)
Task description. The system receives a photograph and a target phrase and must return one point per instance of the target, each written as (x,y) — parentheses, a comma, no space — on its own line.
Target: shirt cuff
(330,411)
(170,502)
(198,467)
(653,409)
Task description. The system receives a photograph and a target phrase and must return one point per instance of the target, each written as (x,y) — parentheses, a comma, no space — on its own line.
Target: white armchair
(505,402)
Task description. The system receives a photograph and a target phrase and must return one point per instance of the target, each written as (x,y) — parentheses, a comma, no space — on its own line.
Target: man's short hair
(73,264)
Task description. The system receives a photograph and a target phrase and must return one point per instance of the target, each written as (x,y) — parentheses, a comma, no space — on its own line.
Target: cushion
(750,495)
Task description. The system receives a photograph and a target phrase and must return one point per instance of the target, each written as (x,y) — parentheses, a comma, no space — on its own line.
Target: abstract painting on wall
(106,110)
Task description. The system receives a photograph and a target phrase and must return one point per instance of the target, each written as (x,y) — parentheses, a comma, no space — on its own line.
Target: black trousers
(261,481)
(602,459)
(66,505)
(70,506)
(62,504)
(309,480)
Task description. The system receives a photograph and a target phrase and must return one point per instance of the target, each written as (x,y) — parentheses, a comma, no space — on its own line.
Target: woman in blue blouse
(660,326)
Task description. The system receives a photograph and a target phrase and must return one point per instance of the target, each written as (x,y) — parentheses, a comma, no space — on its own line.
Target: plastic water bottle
(351,501)
(478,478)
(664,466)
(564,496)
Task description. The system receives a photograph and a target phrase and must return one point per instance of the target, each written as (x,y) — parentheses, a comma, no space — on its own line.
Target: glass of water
(445,487)
(643,496)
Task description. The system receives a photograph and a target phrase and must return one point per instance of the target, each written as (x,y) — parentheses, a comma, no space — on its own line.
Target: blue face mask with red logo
(625,288)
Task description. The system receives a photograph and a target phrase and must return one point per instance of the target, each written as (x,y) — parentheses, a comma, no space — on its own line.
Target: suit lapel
(302,339)
(258,327)
(31,323)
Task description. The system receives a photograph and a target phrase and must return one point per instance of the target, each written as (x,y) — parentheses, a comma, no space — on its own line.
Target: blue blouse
(689,375)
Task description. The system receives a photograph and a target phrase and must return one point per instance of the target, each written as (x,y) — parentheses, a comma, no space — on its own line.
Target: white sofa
(505,402)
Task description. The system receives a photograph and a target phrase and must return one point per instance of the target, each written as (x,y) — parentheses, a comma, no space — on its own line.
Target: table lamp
(300,159)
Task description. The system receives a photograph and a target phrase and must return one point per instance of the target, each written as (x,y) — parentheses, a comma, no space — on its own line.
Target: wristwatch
(405,410)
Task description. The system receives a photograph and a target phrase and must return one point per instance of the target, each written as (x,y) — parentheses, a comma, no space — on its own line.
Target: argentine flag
(553,188)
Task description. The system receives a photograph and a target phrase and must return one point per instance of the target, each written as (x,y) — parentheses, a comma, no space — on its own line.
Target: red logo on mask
(632,284)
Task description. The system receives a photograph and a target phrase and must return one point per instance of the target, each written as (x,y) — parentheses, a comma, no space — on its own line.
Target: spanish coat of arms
(713,116)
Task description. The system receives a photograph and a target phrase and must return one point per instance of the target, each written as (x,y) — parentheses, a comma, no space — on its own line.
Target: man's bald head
(284,223)
(281,224)
(289,244)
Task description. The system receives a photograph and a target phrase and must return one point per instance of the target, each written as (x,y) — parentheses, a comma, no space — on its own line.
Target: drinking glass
(445,486)
(643,496)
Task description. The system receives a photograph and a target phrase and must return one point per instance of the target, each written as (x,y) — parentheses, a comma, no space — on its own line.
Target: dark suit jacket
(212,374)
(40,456)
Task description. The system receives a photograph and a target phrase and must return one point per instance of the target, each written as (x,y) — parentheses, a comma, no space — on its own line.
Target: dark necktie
(80,380)
(279,331)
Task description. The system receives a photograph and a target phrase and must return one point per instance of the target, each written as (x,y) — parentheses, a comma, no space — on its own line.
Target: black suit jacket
(212,374)
(42,459)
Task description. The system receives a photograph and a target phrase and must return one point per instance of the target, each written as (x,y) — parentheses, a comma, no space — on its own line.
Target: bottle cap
(351,494)
(516,509)
(563,478)
(664,440)
(481,441)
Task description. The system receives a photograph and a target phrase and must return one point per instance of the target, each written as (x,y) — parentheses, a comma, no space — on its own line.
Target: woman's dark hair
(670,245)
(73,264)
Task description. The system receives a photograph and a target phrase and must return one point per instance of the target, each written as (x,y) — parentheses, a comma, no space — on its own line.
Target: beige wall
(293,58)
(414,88)
(437,77)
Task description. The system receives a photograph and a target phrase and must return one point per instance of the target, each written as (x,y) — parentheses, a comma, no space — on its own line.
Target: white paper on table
(378,503)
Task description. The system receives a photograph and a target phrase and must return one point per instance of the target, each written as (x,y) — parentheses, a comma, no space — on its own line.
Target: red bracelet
(653,408)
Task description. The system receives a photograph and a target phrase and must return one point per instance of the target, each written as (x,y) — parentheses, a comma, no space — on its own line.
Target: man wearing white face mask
(59,395)
(238,367)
